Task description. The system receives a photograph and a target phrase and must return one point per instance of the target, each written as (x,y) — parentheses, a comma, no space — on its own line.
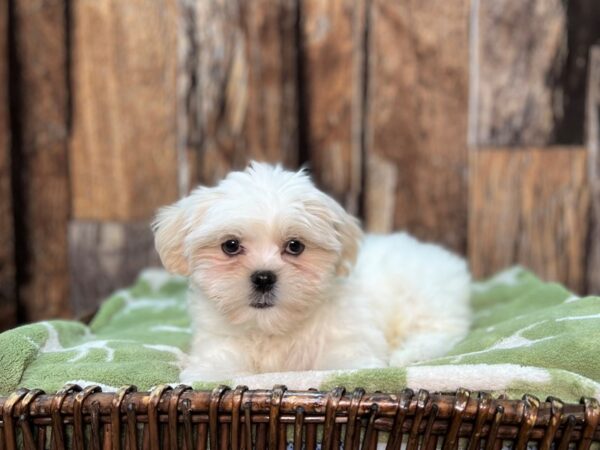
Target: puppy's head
(264,245)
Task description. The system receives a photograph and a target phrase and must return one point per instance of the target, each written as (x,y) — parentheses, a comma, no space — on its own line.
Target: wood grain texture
(530,206)
(42,209)
(187,90)
(519,50)
(104,257)
(124,148)
(333,39)
(8,304)
(247,84)
(593,145)
(417,119)
(583,31)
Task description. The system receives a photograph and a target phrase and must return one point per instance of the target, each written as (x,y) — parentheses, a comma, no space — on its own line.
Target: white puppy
(282,279)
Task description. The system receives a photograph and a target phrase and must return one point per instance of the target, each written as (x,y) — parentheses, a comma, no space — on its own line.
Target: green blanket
(527,336)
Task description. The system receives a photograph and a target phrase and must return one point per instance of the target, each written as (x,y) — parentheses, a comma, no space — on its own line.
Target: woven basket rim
(475,415)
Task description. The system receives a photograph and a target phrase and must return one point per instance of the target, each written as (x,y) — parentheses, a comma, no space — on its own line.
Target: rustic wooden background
(474,123)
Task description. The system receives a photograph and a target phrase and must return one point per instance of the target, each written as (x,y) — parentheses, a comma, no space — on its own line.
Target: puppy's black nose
(264,280)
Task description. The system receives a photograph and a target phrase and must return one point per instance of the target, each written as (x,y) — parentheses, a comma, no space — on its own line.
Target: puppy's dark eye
(294,247)
(231,247)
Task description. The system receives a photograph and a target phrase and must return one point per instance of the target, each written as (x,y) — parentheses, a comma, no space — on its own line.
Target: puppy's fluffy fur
(346,301)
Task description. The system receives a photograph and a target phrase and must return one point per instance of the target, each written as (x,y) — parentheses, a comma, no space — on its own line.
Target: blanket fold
(527,336)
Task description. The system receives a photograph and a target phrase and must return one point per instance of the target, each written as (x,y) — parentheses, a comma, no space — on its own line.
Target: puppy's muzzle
(263,280)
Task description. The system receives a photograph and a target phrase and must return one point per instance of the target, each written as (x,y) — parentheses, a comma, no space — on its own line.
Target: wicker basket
(181,418)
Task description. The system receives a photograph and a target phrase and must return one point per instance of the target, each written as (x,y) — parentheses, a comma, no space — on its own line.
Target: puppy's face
(264,245)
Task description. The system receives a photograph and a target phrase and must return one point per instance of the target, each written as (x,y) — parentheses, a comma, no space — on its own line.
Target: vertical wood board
(333,39)
(41,158)
(593,146)
(519,49)
(417,119)
(123,158)
(8,305)
(583,32)
(530,206)
(247,84)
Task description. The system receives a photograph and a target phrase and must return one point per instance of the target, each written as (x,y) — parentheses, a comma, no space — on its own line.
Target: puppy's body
(345,301)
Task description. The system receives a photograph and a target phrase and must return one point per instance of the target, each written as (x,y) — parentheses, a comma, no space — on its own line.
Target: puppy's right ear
(173,223)
(170,228)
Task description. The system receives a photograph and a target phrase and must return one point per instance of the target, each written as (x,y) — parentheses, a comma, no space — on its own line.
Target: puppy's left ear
(347,230)
(350,236)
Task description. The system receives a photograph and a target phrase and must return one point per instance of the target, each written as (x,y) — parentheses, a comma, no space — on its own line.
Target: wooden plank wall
(411,147)
(593,145)
(460,121)
(529,199)
(40,125)
(333,78)
(8,304)
(530,205)
(123,148)
(517,48)
(246,94)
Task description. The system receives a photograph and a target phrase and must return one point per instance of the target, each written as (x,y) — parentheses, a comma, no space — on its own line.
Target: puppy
(282,279)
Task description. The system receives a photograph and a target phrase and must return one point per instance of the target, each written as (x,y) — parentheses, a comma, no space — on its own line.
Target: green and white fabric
(527,336)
